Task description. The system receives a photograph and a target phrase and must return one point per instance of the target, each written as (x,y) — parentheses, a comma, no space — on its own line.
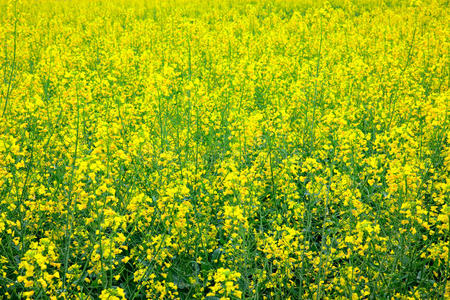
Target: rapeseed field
(235,149)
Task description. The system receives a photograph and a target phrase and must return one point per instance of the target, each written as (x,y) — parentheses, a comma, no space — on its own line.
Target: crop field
(236,149)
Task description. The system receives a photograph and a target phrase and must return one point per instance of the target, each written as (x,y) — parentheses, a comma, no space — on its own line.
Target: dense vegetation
(224,149)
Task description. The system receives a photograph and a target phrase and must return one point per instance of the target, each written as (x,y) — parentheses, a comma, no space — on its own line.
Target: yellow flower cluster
(112,294)
(225,284)
(231,149)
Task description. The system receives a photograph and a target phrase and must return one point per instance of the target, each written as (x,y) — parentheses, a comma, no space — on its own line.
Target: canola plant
(224,149)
